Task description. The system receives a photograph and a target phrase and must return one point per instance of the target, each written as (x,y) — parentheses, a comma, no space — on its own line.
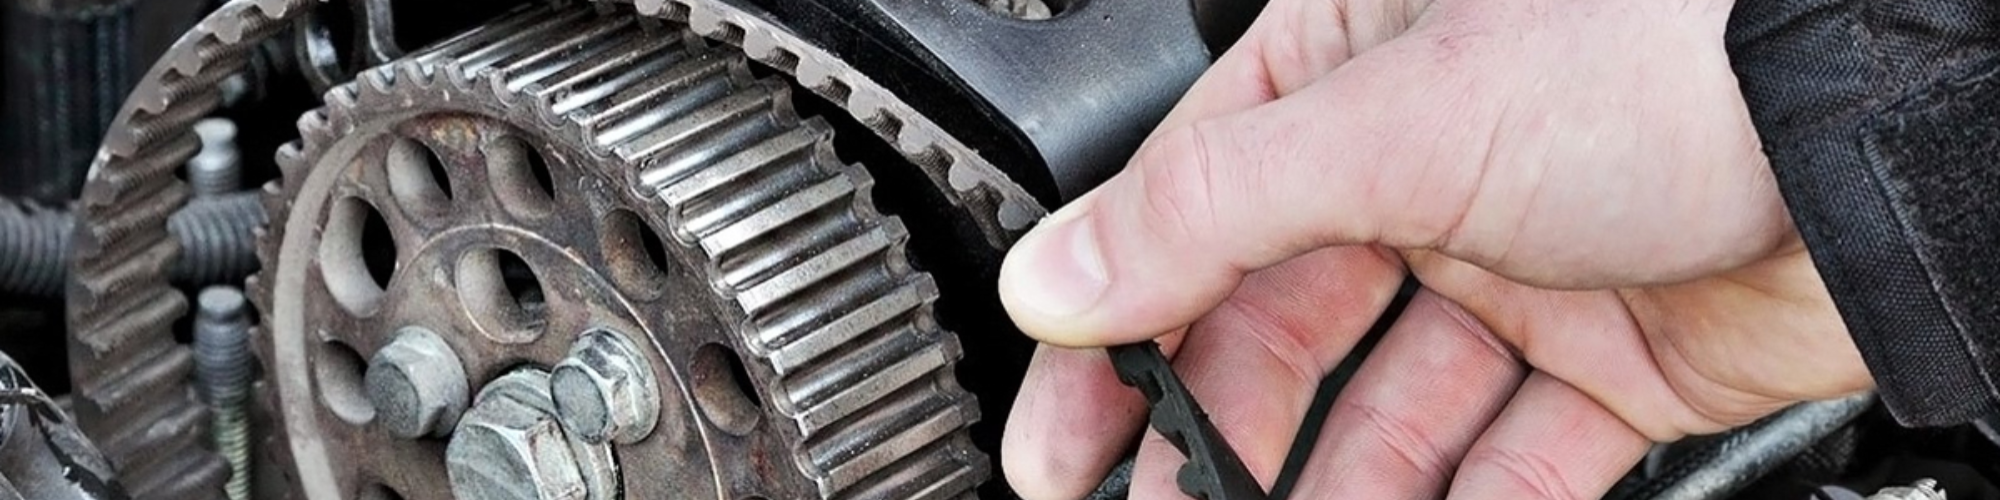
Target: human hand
(1605,256)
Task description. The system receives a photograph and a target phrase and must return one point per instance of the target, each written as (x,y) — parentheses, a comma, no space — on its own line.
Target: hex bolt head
(605,390)
(505,450)
(417,385)
(509,446)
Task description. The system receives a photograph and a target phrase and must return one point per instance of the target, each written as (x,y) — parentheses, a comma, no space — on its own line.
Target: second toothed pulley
(578,254)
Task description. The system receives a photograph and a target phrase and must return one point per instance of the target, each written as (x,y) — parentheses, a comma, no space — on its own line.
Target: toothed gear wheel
(572,170)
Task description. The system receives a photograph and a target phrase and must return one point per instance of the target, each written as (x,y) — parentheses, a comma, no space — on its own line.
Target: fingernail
(1057,271)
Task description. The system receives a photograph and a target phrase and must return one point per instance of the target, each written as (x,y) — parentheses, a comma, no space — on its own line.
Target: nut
(417,385)
(605,390)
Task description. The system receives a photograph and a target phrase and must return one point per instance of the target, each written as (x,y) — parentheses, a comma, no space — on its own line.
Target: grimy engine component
(42,454)
(622,202)
(67,66)
(128,373)
(224,369)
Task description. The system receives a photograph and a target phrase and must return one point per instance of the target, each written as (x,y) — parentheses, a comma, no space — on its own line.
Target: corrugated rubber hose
(217,243)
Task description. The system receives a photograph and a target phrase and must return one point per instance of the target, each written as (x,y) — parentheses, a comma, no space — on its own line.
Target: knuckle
(1396,432)
(1282,339)
(1178,181)
(1528,472)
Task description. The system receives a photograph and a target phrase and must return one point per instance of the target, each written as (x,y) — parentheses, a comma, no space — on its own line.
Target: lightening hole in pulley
(503,295)
(724,390)
(338,370)
(636,254)
(357,255)
(418,177)
(520,175)
(379,492)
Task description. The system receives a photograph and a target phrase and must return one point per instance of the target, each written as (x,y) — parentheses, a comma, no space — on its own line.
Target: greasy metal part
(1084,86)
(218,169)
(605,390)
(67,65)
(374,43)
(130,377)
(1923,489)
(1001,208)
(224,367)
(1030,10)
(568,171)
(510,447)
(121,306)
(417,385)
(214,234)
(1213,471)
(42,454)
(1747,454)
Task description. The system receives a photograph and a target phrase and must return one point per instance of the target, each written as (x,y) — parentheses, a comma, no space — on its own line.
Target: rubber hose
(216,236)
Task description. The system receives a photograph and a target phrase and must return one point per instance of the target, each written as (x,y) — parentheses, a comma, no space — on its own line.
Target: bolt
(223,367)
(218,168)
(604,390)
(416,384)
(506,450)
(1923,489)
(510,447)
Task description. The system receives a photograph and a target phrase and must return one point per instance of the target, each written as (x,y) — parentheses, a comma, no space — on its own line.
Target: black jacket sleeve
(1882,121)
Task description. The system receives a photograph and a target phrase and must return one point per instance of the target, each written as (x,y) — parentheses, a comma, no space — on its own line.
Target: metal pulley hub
(659,280)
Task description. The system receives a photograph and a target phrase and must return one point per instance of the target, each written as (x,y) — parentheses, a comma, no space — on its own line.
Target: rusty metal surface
(131,377)
(602,171)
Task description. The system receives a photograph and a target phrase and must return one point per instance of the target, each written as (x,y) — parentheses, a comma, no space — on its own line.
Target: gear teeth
(827,300)
(150,171)
(791,345)
(732,117)
(672,92)
(761,295)
(136,318)
(315,127)
(154,205)
(902,424)
(143,388)
(1000,208)
(776,216)
(129,269)
(677,190)
(130,376)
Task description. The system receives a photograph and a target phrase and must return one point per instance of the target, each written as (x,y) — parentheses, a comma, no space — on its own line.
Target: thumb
(1202,204)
